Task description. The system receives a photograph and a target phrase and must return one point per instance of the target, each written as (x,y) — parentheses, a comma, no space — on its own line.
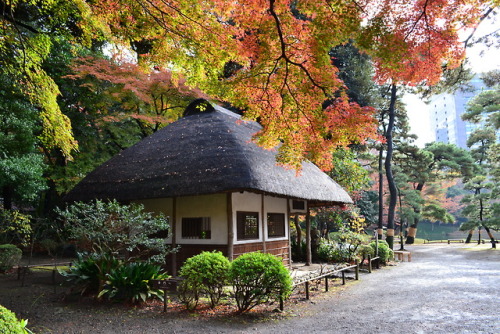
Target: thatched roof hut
(206,152)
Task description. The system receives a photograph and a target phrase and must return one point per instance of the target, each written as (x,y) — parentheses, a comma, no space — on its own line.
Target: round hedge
(258,278)
(10,256)
(384,252)
(204,274)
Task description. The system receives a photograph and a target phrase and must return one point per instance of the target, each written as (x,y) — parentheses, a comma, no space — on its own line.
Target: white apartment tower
(445,112)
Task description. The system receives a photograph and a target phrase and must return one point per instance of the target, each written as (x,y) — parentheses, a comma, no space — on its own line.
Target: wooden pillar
(264,218)
(174,232)
(230,227)
(289,234)
(308,236)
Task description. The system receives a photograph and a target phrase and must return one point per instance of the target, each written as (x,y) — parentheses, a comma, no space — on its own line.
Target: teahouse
(219,189)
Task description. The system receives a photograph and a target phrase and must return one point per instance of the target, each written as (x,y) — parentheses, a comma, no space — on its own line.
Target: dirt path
(445,289)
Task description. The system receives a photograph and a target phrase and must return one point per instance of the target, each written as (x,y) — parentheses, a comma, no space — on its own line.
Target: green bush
(88,273)
(366,251)
(384,252)
(9,323)
(348,243)
(113,228)
(130,282)
(10,256)
(325,251)
(15,227)
(204,274)
(258,278)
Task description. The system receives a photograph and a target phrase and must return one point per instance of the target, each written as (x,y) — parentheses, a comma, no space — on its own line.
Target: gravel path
(445,289)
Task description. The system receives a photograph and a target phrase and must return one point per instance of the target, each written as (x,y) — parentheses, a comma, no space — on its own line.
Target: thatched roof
(203,153)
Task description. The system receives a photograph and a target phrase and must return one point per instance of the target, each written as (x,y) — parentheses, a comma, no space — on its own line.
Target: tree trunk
(492,239)
(412,233)
(299,237)
(380,227)
(469,237)
(393,191)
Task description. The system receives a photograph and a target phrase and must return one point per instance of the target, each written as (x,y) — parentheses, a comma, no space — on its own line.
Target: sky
(481,59)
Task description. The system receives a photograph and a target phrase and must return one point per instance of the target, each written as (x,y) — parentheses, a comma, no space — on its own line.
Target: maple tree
(269,58)
(151,99)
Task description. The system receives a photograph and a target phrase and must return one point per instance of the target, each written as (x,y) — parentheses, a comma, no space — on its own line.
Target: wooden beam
(262,199)
(174,232)
(230,227)
(287,226)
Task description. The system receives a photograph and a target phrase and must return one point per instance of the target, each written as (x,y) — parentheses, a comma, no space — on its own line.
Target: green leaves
(109,227)
(257,278)
(130,282)
(204,274)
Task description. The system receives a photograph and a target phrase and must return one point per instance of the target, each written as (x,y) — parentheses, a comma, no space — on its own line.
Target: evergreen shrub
(10,256)
(384,252)
(9,323)
(258,278)
(203,274)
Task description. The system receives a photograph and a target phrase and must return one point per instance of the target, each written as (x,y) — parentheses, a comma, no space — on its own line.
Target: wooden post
(357,270)
(326,283)
(307,290)
(174,232)
(343,277)
(369,264)
(281,302)
(287,226)
(230,226)
(264,219)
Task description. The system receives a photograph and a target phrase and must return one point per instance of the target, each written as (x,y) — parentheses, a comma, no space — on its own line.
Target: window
(247,225)
(196,228)
(298,205)
(275,225)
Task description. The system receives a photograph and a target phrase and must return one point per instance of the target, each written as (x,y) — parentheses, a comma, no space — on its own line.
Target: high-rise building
(445,112)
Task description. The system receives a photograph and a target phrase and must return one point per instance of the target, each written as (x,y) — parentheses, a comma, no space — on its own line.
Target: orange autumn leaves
(285,77)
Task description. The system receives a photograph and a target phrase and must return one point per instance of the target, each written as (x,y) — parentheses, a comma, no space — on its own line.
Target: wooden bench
(401,255)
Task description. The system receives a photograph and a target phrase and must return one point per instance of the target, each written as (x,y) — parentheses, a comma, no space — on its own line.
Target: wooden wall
(278,248)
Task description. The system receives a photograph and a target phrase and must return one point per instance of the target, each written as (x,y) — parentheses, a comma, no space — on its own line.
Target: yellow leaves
(56,132)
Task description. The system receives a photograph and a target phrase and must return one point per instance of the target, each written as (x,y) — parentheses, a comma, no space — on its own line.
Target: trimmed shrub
(130,282)
(9,323)
(384,252)
(204,274)
(366,251)
(10,256)
(258,278)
